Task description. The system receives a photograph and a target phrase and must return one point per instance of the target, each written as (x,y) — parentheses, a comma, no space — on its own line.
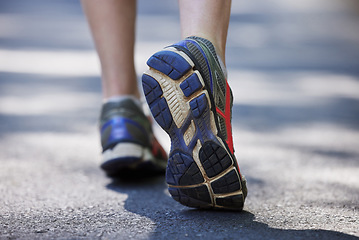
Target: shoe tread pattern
(227,183)
(182,170)
(169,63)
(214,159)
(190,184)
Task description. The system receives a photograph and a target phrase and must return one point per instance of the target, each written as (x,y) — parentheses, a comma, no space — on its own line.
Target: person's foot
(129,146)
(189,97)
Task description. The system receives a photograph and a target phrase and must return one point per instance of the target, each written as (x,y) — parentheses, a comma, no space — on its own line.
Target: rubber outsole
(200,172)
(131,168)
(116,166)
(138,161)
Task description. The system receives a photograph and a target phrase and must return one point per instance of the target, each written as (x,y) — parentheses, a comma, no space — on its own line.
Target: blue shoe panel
(157,103)
(118,131)
(151,88)
(191,85)
(169,63)
(198,105)
(162,113)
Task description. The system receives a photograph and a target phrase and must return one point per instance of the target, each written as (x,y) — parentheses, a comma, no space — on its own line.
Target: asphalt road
(294,69)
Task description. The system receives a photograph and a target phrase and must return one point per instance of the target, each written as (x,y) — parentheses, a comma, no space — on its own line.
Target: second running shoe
(130,150)
(188,94)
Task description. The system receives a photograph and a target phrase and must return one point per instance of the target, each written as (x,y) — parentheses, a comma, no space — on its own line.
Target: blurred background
(294,70)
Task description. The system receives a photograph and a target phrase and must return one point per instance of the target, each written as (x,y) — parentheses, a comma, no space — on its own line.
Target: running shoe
(188,94)
(129,146)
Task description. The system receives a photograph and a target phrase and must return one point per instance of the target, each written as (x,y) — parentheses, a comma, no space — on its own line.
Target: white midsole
(124,150)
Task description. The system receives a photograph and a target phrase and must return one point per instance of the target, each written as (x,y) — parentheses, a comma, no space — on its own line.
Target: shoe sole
(125,157)
(200,172)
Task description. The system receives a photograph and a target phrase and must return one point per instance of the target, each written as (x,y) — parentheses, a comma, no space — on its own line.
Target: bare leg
(112,24)
(208,19)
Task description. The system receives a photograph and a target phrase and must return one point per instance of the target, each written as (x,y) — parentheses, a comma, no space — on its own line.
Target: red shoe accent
(157,149)
(227,117)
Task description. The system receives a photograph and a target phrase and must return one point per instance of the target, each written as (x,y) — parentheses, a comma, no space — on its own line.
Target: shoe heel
(213,182)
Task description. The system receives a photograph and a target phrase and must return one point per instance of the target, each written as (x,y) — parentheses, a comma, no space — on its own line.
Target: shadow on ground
(172,220)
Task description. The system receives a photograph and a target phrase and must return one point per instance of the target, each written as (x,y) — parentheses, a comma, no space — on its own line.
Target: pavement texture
(294,69)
